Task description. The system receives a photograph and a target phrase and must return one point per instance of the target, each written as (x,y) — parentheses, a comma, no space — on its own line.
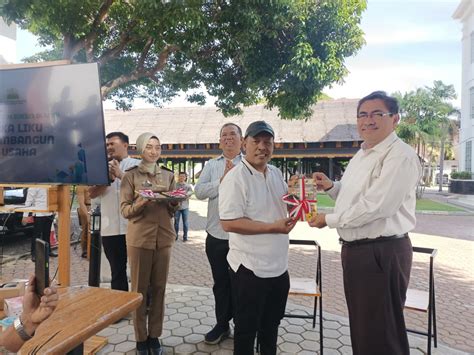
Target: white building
(7,43)
(465,14)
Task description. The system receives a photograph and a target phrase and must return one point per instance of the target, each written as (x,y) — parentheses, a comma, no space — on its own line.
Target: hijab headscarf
(141,143)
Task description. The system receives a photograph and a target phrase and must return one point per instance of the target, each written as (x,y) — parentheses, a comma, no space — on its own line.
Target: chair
(310,287)
(425,301)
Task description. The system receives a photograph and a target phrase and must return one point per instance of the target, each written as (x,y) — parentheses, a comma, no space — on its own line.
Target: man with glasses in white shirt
(217,242)
(374,211)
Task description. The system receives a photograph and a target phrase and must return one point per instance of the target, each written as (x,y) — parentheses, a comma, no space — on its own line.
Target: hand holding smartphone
(41,266)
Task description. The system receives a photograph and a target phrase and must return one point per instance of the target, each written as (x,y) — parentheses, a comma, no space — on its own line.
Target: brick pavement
(454,267)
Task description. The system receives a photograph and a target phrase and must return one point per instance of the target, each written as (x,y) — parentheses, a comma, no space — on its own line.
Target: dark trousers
(376,279)
(41,230)
(216,251)
(259,306)
(115,249)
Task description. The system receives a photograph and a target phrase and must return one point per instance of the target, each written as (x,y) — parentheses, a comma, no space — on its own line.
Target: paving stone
(131,337)
(125,346)
(107,332)
(178,317)
(117,338)
(331,325)
(297,329)
(193,338)
(227,344)
(202,329)
(345,350)
(181,331)
(204,308)
(175,305)
(345,339)
(197,315)
(172,341)
(126,330)
(207,348)
(190,323)
(331,333)
(170,311)
(309,345)
(208,321)
(292,338)
(290,347)
(106,349)
(186,310)
(185,348)
(171,325)
(332,344)
(310,335)
(222,352)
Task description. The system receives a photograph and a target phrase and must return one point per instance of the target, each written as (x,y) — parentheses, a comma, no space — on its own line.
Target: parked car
(10,223)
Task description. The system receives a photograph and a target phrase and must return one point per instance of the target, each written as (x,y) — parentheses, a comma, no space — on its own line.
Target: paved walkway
(189,267)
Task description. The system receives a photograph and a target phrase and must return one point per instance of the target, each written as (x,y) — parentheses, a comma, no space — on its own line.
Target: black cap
(258,127)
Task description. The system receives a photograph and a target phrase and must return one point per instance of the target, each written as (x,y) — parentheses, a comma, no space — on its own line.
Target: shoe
(84,255)
(33,258)
(176,238)
(217,334)
(53,254)
(142,348)
(185,239)
(154,346)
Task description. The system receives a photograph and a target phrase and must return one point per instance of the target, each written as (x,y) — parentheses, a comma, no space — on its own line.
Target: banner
(52,125)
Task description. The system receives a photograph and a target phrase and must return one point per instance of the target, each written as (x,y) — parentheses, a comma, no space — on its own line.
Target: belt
(373,240)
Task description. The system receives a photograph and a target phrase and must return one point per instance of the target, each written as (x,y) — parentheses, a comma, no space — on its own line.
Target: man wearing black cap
(252,211)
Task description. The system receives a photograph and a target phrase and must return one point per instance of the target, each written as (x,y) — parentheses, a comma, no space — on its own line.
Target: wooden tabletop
(82,312)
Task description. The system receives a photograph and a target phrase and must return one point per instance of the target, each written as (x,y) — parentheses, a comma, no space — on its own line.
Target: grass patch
(421,205)
(430,205)
(325,201)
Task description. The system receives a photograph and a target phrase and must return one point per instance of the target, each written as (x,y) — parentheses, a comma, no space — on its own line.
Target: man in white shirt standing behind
(374,211)
(112,225)
(252,211)
(217,242)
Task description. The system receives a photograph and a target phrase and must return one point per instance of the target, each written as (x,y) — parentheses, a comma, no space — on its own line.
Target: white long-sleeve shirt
(207,187)
(37,197)
(376,196)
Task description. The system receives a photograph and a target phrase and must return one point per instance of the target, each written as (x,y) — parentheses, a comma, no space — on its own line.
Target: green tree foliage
(427,120)
(281,51)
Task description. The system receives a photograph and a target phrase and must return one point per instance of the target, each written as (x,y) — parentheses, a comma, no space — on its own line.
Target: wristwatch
(20,329)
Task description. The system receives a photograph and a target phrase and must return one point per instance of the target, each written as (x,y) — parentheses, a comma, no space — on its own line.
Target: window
(468,161)
(471,102)
(472,47)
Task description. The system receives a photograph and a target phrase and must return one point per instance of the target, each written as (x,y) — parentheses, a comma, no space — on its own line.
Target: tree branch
(140,72)
(88,41)
(145,51)
(125,39)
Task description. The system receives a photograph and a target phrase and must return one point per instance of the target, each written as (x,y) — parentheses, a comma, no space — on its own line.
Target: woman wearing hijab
(150,235)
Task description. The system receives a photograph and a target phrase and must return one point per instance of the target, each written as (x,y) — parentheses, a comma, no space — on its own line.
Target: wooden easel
(59,201)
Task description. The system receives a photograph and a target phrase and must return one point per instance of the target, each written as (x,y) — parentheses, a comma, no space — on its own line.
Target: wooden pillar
(64,234)
(331,168)
(2,201)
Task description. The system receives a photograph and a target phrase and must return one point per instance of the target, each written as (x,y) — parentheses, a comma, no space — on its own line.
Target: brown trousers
(376,279)
(84,221)
(149,268)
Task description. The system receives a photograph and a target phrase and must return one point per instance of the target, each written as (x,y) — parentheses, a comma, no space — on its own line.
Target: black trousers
(259,306)
(216,251)
(41,230)
(115,249)
(376,277)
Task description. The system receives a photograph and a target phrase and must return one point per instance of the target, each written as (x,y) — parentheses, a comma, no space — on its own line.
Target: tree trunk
(441,165)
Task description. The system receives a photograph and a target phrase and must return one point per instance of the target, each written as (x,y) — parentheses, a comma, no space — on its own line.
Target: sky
(409,44)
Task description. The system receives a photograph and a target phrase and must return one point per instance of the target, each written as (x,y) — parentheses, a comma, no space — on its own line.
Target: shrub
(463,175)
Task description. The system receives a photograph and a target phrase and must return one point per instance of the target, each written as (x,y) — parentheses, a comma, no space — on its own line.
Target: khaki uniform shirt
(149,226)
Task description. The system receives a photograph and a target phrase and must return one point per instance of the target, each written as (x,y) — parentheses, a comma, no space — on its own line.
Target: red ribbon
(302,206)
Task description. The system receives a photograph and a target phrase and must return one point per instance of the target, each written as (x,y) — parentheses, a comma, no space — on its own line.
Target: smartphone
(41,266)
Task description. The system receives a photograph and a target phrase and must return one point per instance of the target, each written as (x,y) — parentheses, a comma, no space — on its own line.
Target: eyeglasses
(376,115)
